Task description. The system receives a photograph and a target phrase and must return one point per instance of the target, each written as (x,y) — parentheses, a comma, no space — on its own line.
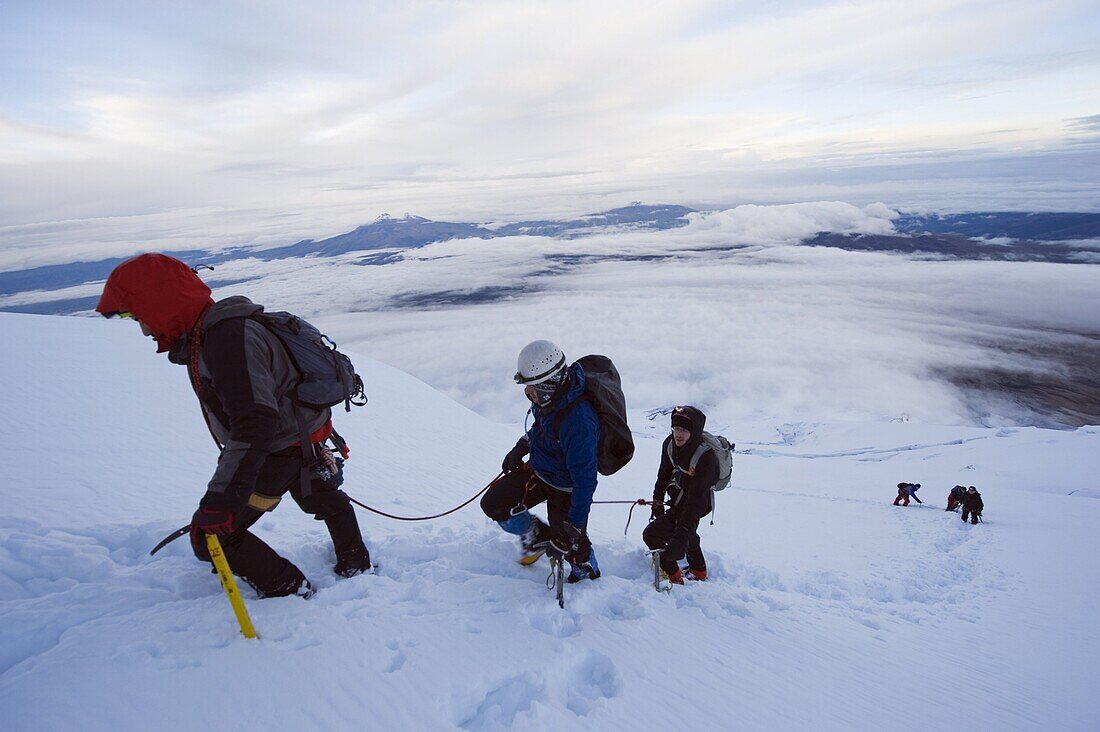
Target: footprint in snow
(594,678)
(500,706)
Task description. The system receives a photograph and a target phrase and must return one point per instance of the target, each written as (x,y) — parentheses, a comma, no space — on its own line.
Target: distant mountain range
(989,225)
(952,246)
(951,236)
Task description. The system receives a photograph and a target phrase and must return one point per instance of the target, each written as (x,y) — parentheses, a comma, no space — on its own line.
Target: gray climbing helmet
(539,361)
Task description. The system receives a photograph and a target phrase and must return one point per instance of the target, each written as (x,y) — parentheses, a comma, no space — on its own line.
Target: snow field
(829,608)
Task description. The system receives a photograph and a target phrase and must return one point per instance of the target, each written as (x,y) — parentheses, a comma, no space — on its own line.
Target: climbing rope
(630,515)
(434,516)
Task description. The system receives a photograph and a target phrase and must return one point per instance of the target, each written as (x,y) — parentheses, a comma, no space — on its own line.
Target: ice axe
(170,538)
(230,586)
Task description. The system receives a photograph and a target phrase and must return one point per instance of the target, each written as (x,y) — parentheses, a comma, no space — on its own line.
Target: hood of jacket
(236,306)
(682,455)
(573,392)
(160,291)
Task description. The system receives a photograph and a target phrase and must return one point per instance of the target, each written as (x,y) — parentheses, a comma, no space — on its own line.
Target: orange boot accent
(676,578)
(698,575)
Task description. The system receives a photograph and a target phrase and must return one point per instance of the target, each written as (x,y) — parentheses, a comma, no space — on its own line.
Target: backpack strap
(703,447)
(561,414)
(308,456)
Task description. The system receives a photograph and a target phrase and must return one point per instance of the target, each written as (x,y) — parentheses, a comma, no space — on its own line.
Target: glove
(657,509)
(212,521)
(514,459)
(328,468)
(677,547)
(566,542)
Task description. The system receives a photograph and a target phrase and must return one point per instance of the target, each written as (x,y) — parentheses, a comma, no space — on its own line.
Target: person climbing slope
(243,376)
(562,470)
(687,474)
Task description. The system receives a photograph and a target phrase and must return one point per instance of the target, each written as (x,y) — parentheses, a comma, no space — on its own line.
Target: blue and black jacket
(563,441)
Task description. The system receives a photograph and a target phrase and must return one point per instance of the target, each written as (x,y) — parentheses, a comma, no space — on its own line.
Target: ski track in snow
(880,454)
(828,607)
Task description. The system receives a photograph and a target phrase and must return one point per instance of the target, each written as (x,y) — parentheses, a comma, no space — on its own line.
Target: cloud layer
(728,312)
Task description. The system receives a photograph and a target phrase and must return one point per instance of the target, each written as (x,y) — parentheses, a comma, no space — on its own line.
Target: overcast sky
(199,123)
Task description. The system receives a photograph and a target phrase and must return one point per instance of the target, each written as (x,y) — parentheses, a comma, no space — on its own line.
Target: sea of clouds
(728,312)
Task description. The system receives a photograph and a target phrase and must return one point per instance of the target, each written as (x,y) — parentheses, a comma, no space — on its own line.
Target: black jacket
(689,496)
(245,378)
(973,501)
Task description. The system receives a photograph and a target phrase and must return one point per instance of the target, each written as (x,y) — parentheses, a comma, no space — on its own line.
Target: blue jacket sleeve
(580,435)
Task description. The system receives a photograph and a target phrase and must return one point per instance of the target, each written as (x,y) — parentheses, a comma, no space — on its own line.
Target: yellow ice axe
(230,585)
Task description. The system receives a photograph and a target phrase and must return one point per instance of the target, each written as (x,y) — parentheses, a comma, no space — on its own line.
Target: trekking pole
(230,585)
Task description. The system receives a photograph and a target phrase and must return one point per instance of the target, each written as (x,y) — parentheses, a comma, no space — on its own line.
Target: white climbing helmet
(538,362)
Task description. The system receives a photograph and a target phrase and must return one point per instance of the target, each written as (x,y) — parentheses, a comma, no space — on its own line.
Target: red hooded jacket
(160,291)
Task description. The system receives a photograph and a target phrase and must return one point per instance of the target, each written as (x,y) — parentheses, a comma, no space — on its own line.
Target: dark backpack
(328,377)
(604,391)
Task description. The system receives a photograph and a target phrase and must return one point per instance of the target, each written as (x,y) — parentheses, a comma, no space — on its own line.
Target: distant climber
(689,494)
(243,376)
(955,497)
(972,504)
(562,470)
(907,491)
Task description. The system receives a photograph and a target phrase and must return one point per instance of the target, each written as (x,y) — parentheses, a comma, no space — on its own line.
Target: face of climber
(680,436)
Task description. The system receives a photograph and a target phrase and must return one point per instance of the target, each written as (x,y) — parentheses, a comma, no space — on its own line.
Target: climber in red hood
(160,292)
(270,444)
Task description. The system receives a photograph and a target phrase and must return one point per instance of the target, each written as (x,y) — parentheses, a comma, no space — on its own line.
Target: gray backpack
(326,376)
(723,450)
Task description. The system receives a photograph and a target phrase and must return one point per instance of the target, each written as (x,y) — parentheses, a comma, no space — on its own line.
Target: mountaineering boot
(697,575)
(534,535)
(676,578)
(584,570)
(352,562)
(299,586)
(534,542)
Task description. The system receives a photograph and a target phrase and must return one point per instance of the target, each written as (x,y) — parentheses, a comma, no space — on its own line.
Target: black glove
(566,542)
(514,459)
(657,509)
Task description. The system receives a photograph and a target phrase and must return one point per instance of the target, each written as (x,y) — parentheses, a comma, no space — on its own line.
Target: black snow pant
(660,533)
(515,493)
(251,558)
(973,515)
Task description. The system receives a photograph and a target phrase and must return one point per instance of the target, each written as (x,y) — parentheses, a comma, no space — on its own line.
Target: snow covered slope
(829,609)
